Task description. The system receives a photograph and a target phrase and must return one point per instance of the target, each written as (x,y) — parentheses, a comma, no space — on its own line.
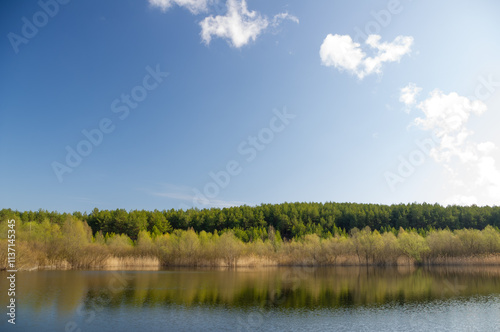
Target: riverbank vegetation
(48,239)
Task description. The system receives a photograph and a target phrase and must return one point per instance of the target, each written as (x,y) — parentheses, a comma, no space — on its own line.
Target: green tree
(413,245)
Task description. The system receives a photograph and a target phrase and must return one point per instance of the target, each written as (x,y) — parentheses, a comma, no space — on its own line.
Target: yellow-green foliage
(390,249)
(413,245)
(444,243)
(229,248)
(490,240)
(120,245)
(145,245)
(189,248)
(45,244)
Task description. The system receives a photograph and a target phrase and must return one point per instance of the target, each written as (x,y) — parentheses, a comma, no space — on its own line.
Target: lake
(261,299)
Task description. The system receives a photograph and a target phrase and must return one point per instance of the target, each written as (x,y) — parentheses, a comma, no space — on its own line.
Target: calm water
(274,299)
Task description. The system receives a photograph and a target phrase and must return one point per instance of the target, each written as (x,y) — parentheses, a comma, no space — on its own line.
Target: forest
(281,234)
(292,220)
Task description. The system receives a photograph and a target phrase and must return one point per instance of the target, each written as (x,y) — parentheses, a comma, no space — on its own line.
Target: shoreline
(150,263)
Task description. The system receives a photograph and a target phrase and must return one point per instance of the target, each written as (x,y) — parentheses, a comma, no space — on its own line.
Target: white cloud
(447,115)
(473,175)
(239,26)
(486,147)
(409,95)
(194,6)
(387,52)
(489,176)
(341,52)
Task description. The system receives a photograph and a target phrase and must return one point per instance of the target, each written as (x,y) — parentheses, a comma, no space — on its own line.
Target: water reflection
(283,288)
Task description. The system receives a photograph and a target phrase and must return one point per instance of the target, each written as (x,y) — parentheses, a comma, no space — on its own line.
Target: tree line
(290,220)
(48,245)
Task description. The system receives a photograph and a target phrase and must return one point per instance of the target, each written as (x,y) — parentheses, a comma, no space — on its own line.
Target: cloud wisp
(191,198)
(341,52)
(194,6)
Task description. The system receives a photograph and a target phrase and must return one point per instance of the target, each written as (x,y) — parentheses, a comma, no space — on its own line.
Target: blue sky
(216,103)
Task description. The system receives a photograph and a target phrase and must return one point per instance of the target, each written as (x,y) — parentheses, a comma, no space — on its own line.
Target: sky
(165,104)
